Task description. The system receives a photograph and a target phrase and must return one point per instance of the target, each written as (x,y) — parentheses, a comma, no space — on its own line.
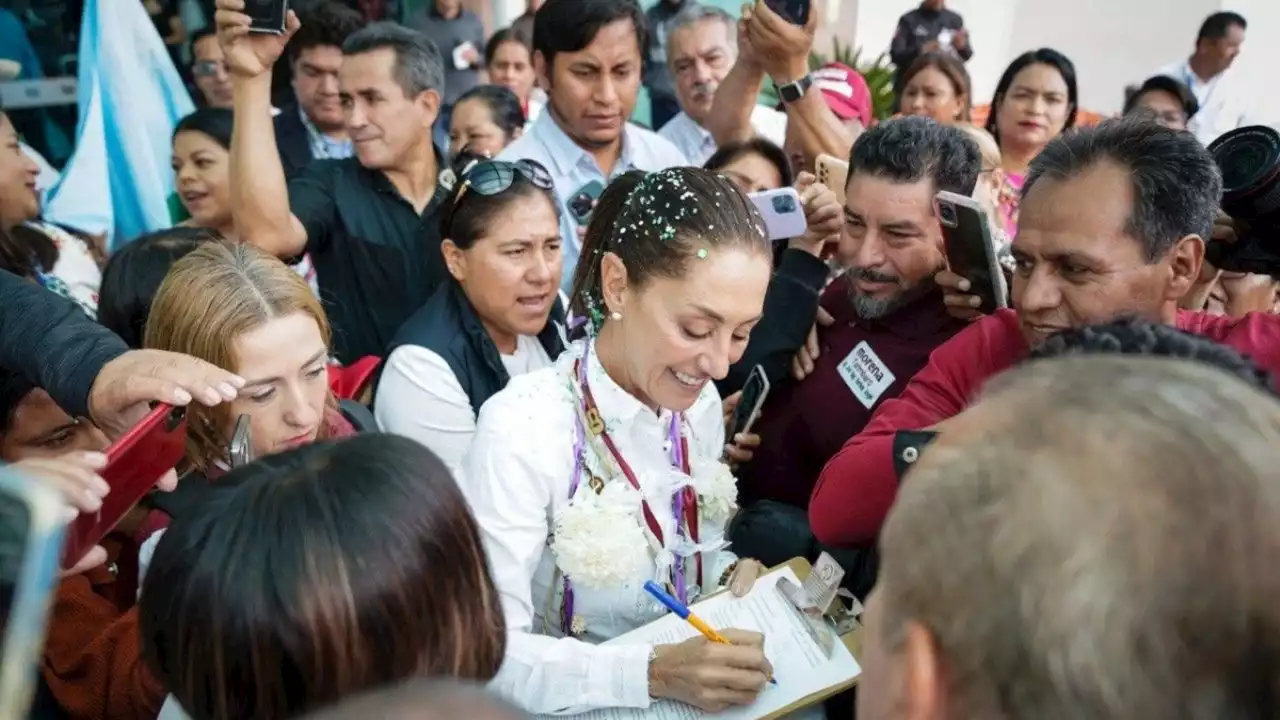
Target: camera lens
(947,214)
(1249,159)
(783,204)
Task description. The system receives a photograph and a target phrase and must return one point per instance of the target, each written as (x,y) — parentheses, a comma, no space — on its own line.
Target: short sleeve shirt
(377,259)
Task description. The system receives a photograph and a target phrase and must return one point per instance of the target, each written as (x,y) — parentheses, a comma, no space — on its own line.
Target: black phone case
(967,245)
(795,11)
(268,16)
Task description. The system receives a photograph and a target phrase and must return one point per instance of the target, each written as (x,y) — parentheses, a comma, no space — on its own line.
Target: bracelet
(728,573)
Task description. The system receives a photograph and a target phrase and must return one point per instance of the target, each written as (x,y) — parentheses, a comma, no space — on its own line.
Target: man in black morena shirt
(369,222)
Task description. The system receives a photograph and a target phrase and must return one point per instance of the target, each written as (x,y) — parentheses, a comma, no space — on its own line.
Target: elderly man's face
(700,56)
(1078,265)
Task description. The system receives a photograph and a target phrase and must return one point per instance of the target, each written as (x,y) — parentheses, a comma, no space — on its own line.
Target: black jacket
(790,306)
(449,327)
(51,342)
(292,141)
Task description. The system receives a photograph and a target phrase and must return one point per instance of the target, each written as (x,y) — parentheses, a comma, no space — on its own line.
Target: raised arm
(783,50)
(730,117)
(259,194)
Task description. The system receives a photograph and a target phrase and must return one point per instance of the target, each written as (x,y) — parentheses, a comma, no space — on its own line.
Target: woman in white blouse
(599,473)
(499,315)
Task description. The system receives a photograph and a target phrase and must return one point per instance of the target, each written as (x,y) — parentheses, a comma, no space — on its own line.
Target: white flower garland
(599,540)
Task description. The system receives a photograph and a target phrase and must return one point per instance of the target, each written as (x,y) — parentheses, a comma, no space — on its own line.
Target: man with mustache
(888,316)
(701,51)
(1113,224)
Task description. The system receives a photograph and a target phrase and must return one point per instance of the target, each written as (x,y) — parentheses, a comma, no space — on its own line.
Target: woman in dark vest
(500,316)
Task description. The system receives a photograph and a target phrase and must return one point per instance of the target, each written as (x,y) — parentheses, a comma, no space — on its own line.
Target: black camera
(1249,159)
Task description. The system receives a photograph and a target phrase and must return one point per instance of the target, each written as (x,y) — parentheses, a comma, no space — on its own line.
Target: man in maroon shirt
(1113,223)
(888,316)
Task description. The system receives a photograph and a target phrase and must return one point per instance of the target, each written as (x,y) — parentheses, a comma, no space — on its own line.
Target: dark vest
(449,327)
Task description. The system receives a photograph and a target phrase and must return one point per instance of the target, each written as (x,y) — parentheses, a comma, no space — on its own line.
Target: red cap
(846,92)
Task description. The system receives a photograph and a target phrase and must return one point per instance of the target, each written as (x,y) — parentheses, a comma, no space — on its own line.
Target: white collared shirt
(572,168)
(1225,102)
(518,476)
(698,145)
(419,397)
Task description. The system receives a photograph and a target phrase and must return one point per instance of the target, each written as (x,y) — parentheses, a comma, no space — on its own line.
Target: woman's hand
(955,294)
(803,362)
(823,215)
(741,447)
(744,576)
(711,676)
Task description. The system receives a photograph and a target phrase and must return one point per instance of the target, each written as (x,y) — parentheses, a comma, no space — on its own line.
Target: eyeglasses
(494,177)
(207,68)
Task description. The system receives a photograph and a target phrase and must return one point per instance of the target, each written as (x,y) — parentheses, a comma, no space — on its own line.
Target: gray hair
(1105,546)
(1176,184)
(696,13)
(419,66)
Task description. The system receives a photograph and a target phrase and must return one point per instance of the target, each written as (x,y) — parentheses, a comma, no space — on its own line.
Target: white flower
(717,490)
(598,541)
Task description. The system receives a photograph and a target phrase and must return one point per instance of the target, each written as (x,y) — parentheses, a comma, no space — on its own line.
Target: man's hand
(822,213)
(248,54)
(125,387)
(803,363)
(781,48)
(955,294)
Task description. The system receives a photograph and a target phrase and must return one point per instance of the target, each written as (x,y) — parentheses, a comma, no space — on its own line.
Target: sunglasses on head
(494,177)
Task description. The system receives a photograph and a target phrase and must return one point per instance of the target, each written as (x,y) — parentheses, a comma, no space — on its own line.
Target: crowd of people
(489,336)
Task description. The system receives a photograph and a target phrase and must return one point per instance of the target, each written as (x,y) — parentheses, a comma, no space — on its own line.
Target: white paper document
(799,666)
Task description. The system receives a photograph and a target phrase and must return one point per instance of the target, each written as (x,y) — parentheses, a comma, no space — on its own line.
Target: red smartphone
(135,463)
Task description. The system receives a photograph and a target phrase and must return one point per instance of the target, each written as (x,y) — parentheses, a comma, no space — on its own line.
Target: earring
(615,316)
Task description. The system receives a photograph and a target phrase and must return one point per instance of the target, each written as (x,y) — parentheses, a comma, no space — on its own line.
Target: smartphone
(32,526)
(582,202)
(794,11)
(971,251)
(782,212)
(834,173)
(135,463)
(268,16)
(753,396)
(240,452)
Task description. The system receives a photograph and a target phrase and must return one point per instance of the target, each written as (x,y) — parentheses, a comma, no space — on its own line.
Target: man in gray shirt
(460,37)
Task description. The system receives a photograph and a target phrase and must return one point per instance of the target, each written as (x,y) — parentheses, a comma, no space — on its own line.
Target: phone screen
(970,250)
(753,395)
(241,451)
(794,11)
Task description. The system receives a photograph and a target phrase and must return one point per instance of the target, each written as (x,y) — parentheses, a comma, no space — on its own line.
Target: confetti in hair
(702,253)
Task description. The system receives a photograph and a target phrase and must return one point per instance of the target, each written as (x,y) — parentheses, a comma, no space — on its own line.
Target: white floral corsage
(598,539)
(717,490)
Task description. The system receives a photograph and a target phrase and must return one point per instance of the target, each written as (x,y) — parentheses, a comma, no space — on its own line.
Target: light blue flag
(130,98)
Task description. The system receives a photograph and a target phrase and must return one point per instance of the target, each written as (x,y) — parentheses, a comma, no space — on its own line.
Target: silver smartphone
(240,451)
(32,526)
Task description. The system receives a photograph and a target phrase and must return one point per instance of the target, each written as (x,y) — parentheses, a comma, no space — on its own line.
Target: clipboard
(851,640)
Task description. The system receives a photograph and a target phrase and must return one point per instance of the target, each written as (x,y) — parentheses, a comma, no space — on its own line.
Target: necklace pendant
(594,423)
(595,483)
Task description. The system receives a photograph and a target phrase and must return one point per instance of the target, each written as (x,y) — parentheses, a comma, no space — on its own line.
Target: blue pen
(679,609)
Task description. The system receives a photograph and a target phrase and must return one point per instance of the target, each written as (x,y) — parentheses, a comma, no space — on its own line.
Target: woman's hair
(24,249)
(503,105)
(316,574)
(467,215)
(655,223)
(502,37)
(213,122)
(987,145)
(1043,56)
(134,273)
(210,298)
(948,65)
(732,152)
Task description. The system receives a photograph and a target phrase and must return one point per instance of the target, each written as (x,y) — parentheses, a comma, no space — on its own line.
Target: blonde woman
(233,306)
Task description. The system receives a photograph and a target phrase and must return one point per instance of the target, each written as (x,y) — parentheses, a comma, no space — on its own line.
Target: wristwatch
(793,91)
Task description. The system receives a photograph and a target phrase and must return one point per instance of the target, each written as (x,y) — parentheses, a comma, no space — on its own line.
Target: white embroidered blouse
(518,478)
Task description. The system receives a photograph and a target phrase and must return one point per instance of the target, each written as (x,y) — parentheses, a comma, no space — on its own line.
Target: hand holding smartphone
(971,251)
(834,173)
(749,405)
(782,212)
(135,463)
(795,12)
